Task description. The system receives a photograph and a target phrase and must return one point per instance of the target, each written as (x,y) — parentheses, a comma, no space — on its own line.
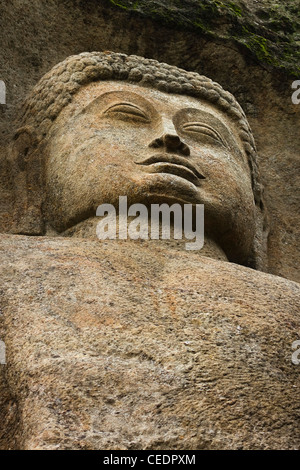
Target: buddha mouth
(172,164)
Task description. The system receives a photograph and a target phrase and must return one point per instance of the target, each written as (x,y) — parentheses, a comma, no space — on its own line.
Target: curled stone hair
(54,91)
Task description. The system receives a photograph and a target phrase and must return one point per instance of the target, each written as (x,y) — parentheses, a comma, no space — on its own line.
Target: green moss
(235,8)
(270,33)
(260,46)
(119,4)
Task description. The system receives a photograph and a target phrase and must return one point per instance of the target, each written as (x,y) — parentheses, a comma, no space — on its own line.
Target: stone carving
(135,344)
(100,126)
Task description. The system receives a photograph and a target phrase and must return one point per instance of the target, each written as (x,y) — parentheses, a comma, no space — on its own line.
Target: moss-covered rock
(270,30)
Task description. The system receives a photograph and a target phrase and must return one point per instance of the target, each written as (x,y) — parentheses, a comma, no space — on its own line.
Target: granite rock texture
(37,35)
(128,345)
(134,346)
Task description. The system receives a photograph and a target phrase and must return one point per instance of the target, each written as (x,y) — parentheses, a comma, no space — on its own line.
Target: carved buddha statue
(100,126)
(140,344)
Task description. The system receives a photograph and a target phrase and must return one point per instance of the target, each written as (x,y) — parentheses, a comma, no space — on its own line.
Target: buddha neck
(88,230)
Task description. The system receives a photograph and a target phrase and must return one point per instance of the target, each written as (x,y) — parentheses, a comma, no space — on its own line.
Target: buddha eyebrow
(209,130)
(134,109)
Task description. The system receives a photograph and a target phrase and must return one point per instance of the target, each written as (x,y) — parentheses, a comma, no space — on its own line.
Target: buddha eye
(204,129)
(127,111)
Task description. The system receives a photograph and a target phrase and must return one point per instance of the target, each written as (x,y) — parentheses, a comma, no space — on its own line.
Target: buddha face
(118,139)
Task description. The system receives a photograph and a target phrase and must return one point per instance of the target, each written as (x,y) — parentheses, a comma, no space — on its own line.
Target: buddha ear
(26,172)
(259,256)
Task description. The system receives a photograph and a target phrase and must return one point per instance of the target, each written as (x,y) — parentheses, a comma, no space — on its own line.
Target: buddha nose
(170,139)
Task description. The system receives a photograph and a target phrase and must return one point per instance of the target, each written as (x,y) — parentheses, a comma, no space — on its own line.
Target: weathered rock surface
(268,29)
(37,35)
(127,345)
(130,346)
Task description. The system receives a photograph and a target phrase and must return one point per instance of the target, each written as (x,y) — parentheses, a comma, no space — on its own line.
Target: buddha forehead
(150,105)
(105,92)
